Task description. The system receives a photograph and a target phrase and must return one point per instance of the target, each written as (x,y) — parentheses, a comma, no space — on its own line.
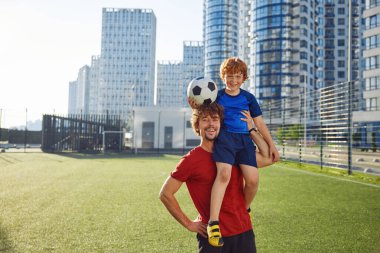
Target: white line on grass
(332,177)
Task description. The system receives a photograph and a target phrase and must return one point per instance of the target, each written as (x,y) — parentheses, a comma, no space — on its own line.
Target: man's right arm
(168,190)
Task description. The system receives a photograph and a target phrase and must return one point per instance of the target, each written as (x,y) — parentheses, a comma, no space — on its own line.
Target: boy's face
(233,82)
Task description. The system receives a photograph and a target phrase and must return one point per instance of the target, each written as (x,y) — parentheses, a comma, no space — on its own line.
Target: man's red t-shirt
(198,170)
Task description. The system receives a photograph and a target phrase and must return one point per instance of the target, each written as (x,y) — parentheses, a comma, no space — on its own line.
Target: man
(197,169)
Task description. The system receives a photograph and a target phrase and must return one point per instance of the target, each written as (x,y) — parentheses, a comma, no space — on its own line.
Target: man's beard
(210,138)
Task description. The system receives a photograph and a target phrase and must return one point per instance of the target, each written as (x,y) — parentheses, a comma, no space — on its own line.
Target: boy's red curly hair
(233,65)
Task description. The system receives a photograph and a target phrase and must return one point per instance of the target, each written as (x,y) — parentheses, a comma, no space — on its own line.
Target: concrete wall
(162,117)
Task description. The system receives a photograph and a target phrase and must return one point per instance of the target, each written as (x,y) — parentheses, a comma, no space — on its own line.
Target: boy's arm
(264,131)
(170,187)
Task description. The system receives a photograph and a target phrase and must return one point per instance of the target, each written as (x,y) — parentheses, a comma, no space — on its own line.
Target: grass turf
(97,203)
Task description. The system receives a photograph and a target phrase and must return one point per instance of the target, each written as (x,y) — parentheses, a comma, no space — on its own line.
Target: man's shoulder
(196,154)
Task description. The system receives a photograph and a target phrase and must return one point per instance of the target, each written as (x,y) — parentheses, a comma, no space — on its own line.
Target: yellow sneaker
(214,236)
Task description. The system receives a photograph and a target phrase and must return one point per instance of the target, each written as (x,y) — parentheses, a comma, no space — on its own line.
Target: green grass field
(94,203)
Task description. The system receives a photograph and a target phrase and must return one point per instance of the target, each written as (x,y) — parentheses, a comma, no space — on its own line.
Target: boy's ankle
(213,222)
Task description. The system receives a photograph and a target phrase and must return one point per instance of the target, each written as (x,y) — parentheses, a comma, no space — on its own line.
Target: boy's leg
(217,194)
(251,179)
(219,187)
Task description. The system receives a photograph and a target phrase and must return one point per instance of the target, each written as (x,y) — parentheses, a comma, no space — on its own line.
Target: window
(372,83)
(329,43)
(341,43)
(329,74)
(341,64)
(373,21)
(320,73)
(341,32)
(330,64)
(341,53)
(341,21)
(371,104)
(341,11)
(341,74)
(372,42)
(329,22)
(372,62)
(303,43)
(303,55)
(303,21)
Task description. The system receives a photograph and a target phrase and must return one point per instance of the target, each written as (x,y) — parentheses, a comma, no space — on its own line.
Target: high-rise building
(220,34)
(297,47)
(173,77)
(127,61)
(367,120)
(93,93)
(169,84)
(192,65)
(79,92)
(72,98)
(274,43)
(372,56)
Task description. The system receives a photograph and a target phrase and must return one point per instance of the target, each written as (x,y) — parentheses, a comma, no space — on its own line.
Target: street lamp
(254,39)
(26,128)
(305,110)
(1,112)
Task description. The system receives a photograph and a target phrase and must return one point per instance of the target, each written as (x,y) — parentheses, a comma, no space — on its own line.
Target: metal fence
(83,133)
(318,127)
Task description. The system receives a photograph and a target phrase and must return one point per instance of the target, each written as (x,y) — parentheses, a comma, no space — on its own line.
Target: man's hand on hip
(198,227)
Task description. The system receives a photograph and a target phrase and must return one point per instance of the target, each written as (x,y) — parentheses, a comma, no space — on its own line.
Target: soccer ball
(202,90)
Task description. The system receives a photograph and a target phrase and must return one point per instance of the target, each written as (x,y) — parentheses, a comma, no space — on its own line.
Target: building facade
(367,120)
(169,84)
(192,65)
(93,94)
(79,92)
(220,34)
(127,62)
(173,77)
(163,128)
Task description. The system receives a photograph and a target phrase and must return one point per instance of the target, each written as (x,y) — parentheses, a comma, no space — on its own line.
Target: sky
(45,42)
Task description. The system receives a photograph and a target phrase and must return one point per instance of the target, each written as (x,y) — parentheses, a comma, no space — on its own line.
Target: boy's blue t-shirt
(233,105)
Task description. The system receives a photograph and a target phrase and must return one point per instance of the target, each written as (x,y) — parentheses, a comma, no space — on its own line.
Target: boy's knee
(252,182)
(224,174)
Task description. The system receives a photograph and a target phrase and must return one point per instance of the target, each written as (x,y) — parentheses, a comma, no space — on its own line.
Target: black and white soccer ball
(202,90)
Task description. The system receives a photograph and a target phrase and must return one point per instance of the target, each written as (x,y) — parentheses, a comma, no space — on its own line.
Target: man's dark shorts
(240,243)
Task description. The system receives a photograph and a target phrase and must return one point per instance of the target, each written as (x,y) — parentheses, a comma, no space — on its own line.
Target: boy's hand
(274,153)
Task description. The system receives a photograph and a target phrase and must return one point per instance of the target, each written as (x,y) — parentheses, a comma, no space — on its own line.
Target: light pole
(26,128)
(254,39)
(1,113)
(305,111)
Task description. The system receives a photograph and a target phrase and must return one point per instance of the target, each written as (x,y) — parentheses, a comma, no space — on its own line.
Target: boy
(234,145)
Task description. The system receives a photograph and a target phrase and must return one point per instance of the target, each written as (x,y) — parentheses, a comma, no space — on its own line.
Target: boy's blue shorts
(234,149)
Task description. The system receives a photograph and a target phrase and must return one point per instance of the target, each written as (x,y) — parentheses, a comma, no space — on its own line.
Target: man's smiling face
(209,127)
